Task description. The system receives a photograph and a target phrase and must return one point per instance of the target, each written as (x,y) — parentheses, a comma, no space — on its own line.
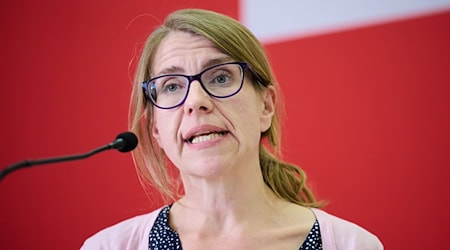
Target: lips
(203,133)
(205,137)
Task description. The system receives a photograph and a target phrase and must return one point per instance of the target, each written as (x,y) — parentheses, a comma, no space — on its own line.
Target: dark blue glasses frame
(147,86)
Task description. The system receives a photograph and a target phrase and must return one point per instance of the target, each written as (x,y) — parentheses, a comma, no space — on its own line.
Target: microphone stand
(29,163)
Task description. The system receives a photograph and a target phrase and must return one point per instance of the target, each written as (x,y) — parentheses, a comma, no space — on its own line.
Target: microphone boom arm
(30,163)
(124,142)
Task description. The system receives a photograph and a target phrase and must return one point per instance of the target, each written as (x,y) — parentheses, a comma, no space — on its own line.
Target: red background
(367,116)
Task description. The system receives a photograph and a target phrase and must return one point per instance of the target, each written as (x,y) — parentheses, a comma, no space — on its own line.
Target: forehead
(185,52)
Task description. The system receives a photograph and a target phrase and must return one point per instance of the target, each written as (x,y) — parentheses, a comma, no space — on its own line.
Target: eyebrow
(209,63)
(216,61)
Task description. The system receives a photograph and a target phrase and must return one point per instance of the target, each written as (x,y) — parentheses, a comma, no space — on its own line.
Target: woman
(205,100)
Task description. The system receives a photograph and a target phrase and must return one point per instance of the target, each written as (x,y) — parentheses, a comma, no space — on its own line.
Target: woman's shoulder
(338,233)
(127,234)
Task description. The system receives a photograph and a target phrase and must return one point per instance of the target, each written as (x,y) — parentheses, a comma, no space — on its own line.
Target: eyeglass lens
(220,81)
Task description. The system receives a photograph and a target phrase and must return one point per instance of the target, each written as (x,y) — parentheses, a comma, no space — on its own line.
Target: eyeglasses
(171,90)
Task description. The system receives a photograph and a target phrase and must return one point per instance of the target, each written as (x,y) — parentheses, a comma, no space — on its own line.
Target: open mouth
(205,137)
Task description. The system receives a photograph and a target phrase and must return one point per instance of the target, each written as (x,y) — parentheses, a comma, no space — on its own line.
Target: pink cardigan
(132,234)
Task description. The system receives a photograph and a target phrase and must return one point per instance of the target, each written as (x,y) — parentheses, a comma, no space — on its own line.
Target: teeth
(202,138)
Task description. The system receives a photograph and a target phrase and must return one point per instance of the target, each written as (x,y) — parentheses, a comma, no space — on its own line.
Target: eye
(221,79)
(171,85)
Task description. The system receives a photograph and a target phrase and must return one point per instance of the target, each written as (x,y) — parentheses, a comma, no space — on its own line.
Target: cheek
(247,118)
(164,129)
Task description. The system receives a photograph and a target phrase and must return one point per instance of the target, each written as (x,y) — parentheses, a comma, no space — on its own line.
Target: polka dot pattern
(163,237)
(313,240)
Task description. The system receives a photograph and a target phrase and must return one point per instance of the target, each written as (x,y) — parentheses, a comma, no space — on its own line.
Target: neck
(225,202)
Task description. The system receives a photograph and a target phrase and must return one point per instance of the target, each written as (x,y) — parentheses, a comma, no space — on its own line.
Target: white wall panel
(278,20)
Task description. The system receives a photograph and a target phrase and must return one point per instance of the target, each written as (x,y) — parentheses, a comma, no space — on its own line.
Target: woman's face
(208,136)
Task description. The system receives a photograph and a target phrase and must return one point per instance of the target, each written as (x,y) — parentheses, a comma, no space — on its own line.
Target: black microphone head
(130,141)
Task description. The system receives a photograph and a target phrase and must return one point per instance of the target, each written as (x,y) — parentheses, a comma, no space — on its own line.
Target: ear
(268,107)
(156,134)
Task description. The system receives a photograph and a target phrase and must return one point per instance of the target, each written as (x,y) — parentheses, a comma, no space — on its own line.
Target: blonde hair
(286,180)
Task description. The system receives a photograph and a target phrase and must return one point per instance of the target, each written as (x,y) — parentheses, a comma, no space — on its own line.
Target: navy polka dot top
(163,237)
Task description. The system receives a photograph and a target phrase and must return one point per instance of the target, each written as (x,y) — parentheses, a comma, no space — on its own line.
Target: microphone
(124,142)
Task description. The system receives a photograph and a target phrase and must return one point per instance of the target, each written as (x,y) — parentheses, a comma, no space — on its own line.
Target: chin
(208,169)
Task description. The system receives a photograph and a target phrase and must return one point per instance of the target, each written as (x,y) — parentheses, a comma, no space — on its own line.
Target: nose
(197,100)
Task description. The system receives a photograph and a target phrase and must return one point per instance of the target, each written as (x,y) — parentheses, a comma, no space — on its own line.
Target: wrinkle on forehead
(181,51)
